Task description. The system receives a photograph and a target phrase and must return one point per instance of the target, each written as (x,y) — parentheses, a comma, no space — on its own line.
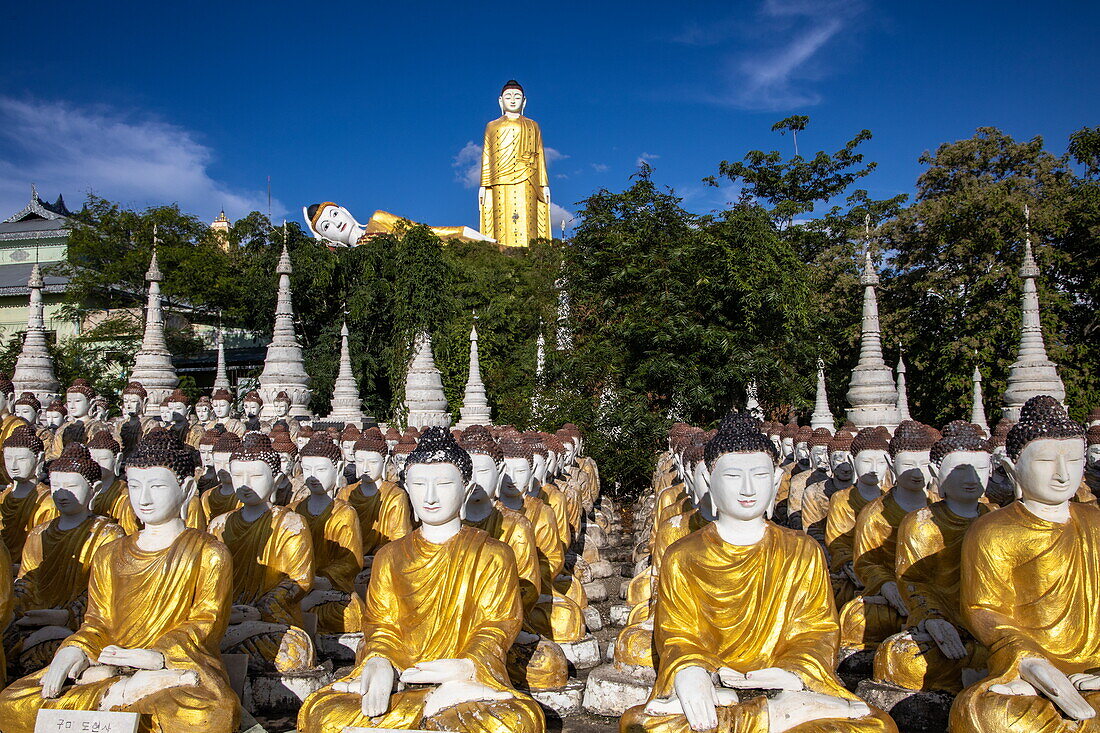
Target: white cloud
(553,155)
(467,165)
(557,216)
(645,158)
(774,76)
(139,161)
(599,167)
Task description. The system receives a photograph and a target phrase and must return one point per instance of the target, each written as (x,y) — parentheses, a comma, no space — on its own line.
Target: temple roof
(14,277)
(39,209)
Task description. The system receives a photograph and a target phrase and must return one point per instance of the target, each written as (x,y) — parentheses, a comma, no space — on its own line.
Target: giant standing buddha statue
(514,197)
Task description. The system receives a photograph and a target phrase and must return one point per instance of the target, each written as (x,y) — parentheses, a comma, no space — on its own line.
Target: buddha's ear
(934,471)
(777,480)
(1010,470)
(500,101)
(188,486)
(94,488)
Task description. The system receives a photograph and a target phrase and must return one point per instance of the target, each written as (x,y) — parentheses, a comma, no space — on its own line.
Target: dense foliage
(665,315)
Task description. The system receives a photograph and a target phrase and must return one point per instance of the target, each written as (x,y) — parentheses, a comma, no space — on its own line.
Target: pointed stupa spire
(284,366)
(1033,373)
(221,376)
(977,409)
(425,403)
(871,391)
(540,368)
(475,404)
(153,367)
(34,367)
(347,407)
(822,416)
(903,392)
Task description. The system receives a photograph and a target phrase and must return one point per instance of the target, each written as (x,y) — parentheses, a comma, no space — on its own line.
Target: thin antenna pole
(269,199)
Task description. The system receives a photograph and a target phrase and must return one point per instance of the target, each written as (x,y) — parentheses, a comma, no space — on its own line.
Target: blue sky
(373,105)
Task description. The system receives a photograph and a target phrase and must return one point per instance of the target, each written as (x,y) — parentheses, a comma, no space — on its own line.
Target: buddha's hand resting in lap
(946,636)
(697,697)
(892,595)
(790,709)
(1039,677)
(769,678)
(67,663)
(449,694)
(117,656)
(438,671)
(375,685)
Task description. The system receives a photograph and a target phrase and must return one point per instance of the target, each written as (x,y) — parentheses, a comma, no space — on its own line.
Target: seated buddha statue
(24,503)
(1029,579)
(880,610)
(534,663)
(204,413)
(871,467)
(290,485)
(566,617)
(206,475)
(30,409)
(936,652)
(129,427)
(221,402)
(818,486)
(79,425)
(337,542)
(180,419)
(801,470)
(112,497)
(381,505)
(272,552)
(222,498)
(746,604)
(52,588)
(157,607)
(443,607)
(251,406)
(1000,491)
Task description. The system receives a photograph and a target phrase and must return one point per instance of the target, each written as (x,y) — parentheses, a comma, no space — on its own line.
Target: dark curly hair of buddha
(789,431)
(803,435)
(256,446)
(693,454)
(161,448)
(82,386)
(869,439)
(738,434)
(77,459)
(24,437)
(372,440)
(959,436)
(321,446)
(1041,417)
(179,396)
(512,448)
(842,441)
(1092,435)
(911,436)
(482,443)
(227,442)
(103,441)
(821,436)
(28,399)
(437,445)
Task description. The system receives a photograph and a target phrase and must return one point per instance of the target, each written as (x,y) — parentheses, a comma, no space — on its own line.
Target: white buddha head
(179,406)
(107,453)
(518,477)
(1046,453)
(254,468)
(371,453)
(24,454)
(512,99)
(1092,454)
(333,223)
(160,479)
(841,463)
(133,400)
(78,399)
(742,476)
(220,455)
(322,465)
(819,449)
(281,406)
(438,477)
(203,410)
(252,405)
(55,414)
(871,457)
(74,480)
(910,455)
(222,404)
(27,407)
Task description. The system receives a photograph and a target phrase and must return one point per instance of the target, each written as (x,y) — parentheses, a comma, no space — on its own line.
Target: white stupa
(822,416)
(977,408)
(153,367)
(475,404)
(871,391)
(284,365)
(34,367)
(347,407)
(425,402)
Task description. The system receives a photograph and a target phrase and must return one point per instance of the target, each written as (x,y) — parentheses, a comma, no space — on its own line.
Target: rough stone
(284,693)
(619,614)
(563,701)
(611,689)
(601,569)
(596,591)
(914,711)
(583,654)
(592,618)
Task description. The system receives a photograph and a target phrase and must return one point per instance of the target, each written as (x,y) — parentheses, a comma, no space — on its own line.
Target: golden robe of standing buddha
(515,188)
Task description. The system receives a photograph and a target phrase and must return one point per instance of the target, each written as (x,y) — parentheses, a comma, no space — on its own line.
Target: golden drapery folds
(112,501)
(56,564)
(175,601)
(7,601)
(337,556)
(513,172)
(840,535)
(1029,588)
(864,624)
(559,505)
(747,608)
(456,600)
(383,516)
(929,552)
(272,572)
(566,616)
(215,503)
(19,515)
